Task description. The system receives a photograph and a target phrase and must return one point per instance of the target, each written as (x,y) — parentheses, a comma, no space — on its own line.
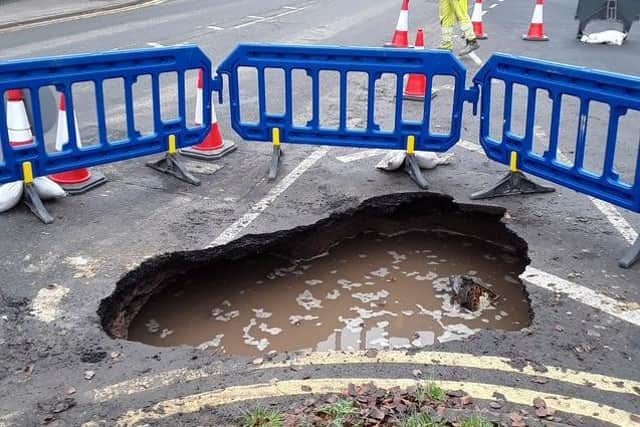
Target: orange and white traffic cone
(17,119)
(214,146)
(401,35)
(80,180)
(536,29)
(476,20)
(416,89)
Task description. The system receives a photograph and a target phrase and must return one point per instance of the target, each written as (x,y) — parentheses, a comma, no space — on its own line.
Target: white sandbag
(610,37)
(48,189)
(429,160)
(10,195)
(392,161)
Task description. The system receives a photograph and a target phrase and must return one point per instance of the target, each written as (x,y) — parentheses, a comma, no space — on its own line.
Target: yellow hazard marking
(411,145)
(198,402)
(430,358)
(464,360)
(276,137)
(27,173)
(172,144)
(514,162)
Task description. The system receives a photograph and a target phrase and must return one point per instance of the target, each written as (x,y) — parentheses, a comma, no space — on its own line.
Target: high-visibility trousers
(452,12)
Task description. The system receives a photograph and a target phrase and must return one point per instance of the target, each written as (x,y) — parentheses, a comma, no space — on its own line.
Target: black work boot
(470,47)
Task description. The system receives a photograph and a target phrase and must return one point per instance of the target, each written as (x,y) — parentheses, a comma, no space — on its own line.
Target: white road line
(255,17)
(493,5)
(484,12)
(268,18)
(290,7)
(475,58)
(154,44)
(44,306)
(348,158)
(583,295)
(215,27)
(254,212)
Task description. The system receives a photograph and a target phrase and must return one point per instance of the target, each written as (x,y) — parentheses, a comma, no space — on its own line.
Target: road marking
(493,5)
(154,44)
(583,295)
(84,16)
(230,395)
(268,18)
(290,7)
(254,212)
(255,17)
(145,383)
(215,27)
(348,158)
(475,58)
(467,361)
(44,306)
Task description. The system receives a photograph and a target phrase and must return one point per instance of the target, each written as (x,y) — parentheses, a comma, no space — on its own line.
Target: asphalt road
(62,271)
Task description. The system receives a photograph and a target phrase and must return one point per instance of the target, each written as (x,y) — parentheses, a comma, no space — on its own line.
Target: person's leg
(461,13)
(447,22)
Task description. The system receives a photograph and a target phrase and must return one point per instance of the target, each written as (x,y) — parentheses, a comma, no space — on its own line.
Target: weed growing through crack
(261,417)
(434,392)
(338,412)
(476,421)
(420,419)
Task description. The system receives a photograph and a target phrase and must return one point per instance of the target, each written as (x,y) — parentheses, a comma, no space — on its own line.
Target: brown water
(372,291)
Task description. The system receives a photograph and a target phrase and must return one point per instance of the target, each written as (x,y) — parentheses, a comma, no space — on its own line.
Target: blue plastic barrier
(63,72)
(621,93)
(372,61)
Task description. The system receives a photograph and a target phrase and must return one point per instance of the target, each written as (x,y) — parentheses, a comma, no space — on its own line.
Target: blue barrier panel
(62,72)
(374,63)
(619,92)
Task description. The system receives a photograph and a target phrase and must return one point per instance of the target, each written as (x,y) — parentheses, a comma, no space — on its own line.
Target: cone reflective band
(214,146)
(536,29)
(17,119)
(79,180)
(476,20)
(416,88)
(401,34)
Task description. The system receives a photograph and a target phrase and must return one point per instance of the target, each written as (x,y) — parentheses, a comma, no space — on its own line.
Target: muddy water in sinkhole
(370,291)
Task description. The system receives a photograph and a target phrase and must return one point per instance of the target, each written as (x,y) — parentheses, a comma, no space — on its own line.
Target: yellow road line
(198,402)
(82,15)
(464,360)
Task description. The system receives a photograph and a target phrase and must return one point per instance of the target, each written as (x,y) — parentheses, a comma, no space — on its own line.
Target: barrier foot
(275,162)
(512,184)
(96,180)
(172,166)
(33,201)
(412,168)
(631,256)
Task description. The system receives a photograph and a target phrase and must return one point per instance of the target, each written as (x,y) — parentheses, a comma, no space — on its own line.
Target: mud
(372,277)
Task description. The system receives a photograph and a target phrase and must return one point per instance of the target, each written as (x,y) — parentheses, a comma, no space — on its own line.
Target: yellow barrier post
(514,183)
(411,166)
(31,197)
(171,164)
(276,154)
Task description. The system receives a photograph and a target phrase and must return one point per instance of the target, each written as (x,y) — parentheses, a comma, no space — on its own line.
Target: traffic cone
(416,88)
(476,20)
(536,29)
(79,180)
(401,35)
(213,147)
(17,119)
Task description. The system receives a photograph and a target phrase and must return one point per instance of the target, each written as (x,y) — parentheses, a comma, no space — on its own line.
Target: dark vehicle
(625,11)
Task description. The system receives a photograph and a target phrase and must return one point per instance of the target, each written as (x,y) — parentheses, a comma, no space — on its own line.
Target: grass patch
(261,417)
(338,412)
(420,419)
(433,392)
(476,422)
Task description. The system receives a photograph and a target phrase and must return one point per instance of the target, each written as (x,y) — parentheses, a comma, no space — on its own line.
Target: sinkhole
(397,272)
